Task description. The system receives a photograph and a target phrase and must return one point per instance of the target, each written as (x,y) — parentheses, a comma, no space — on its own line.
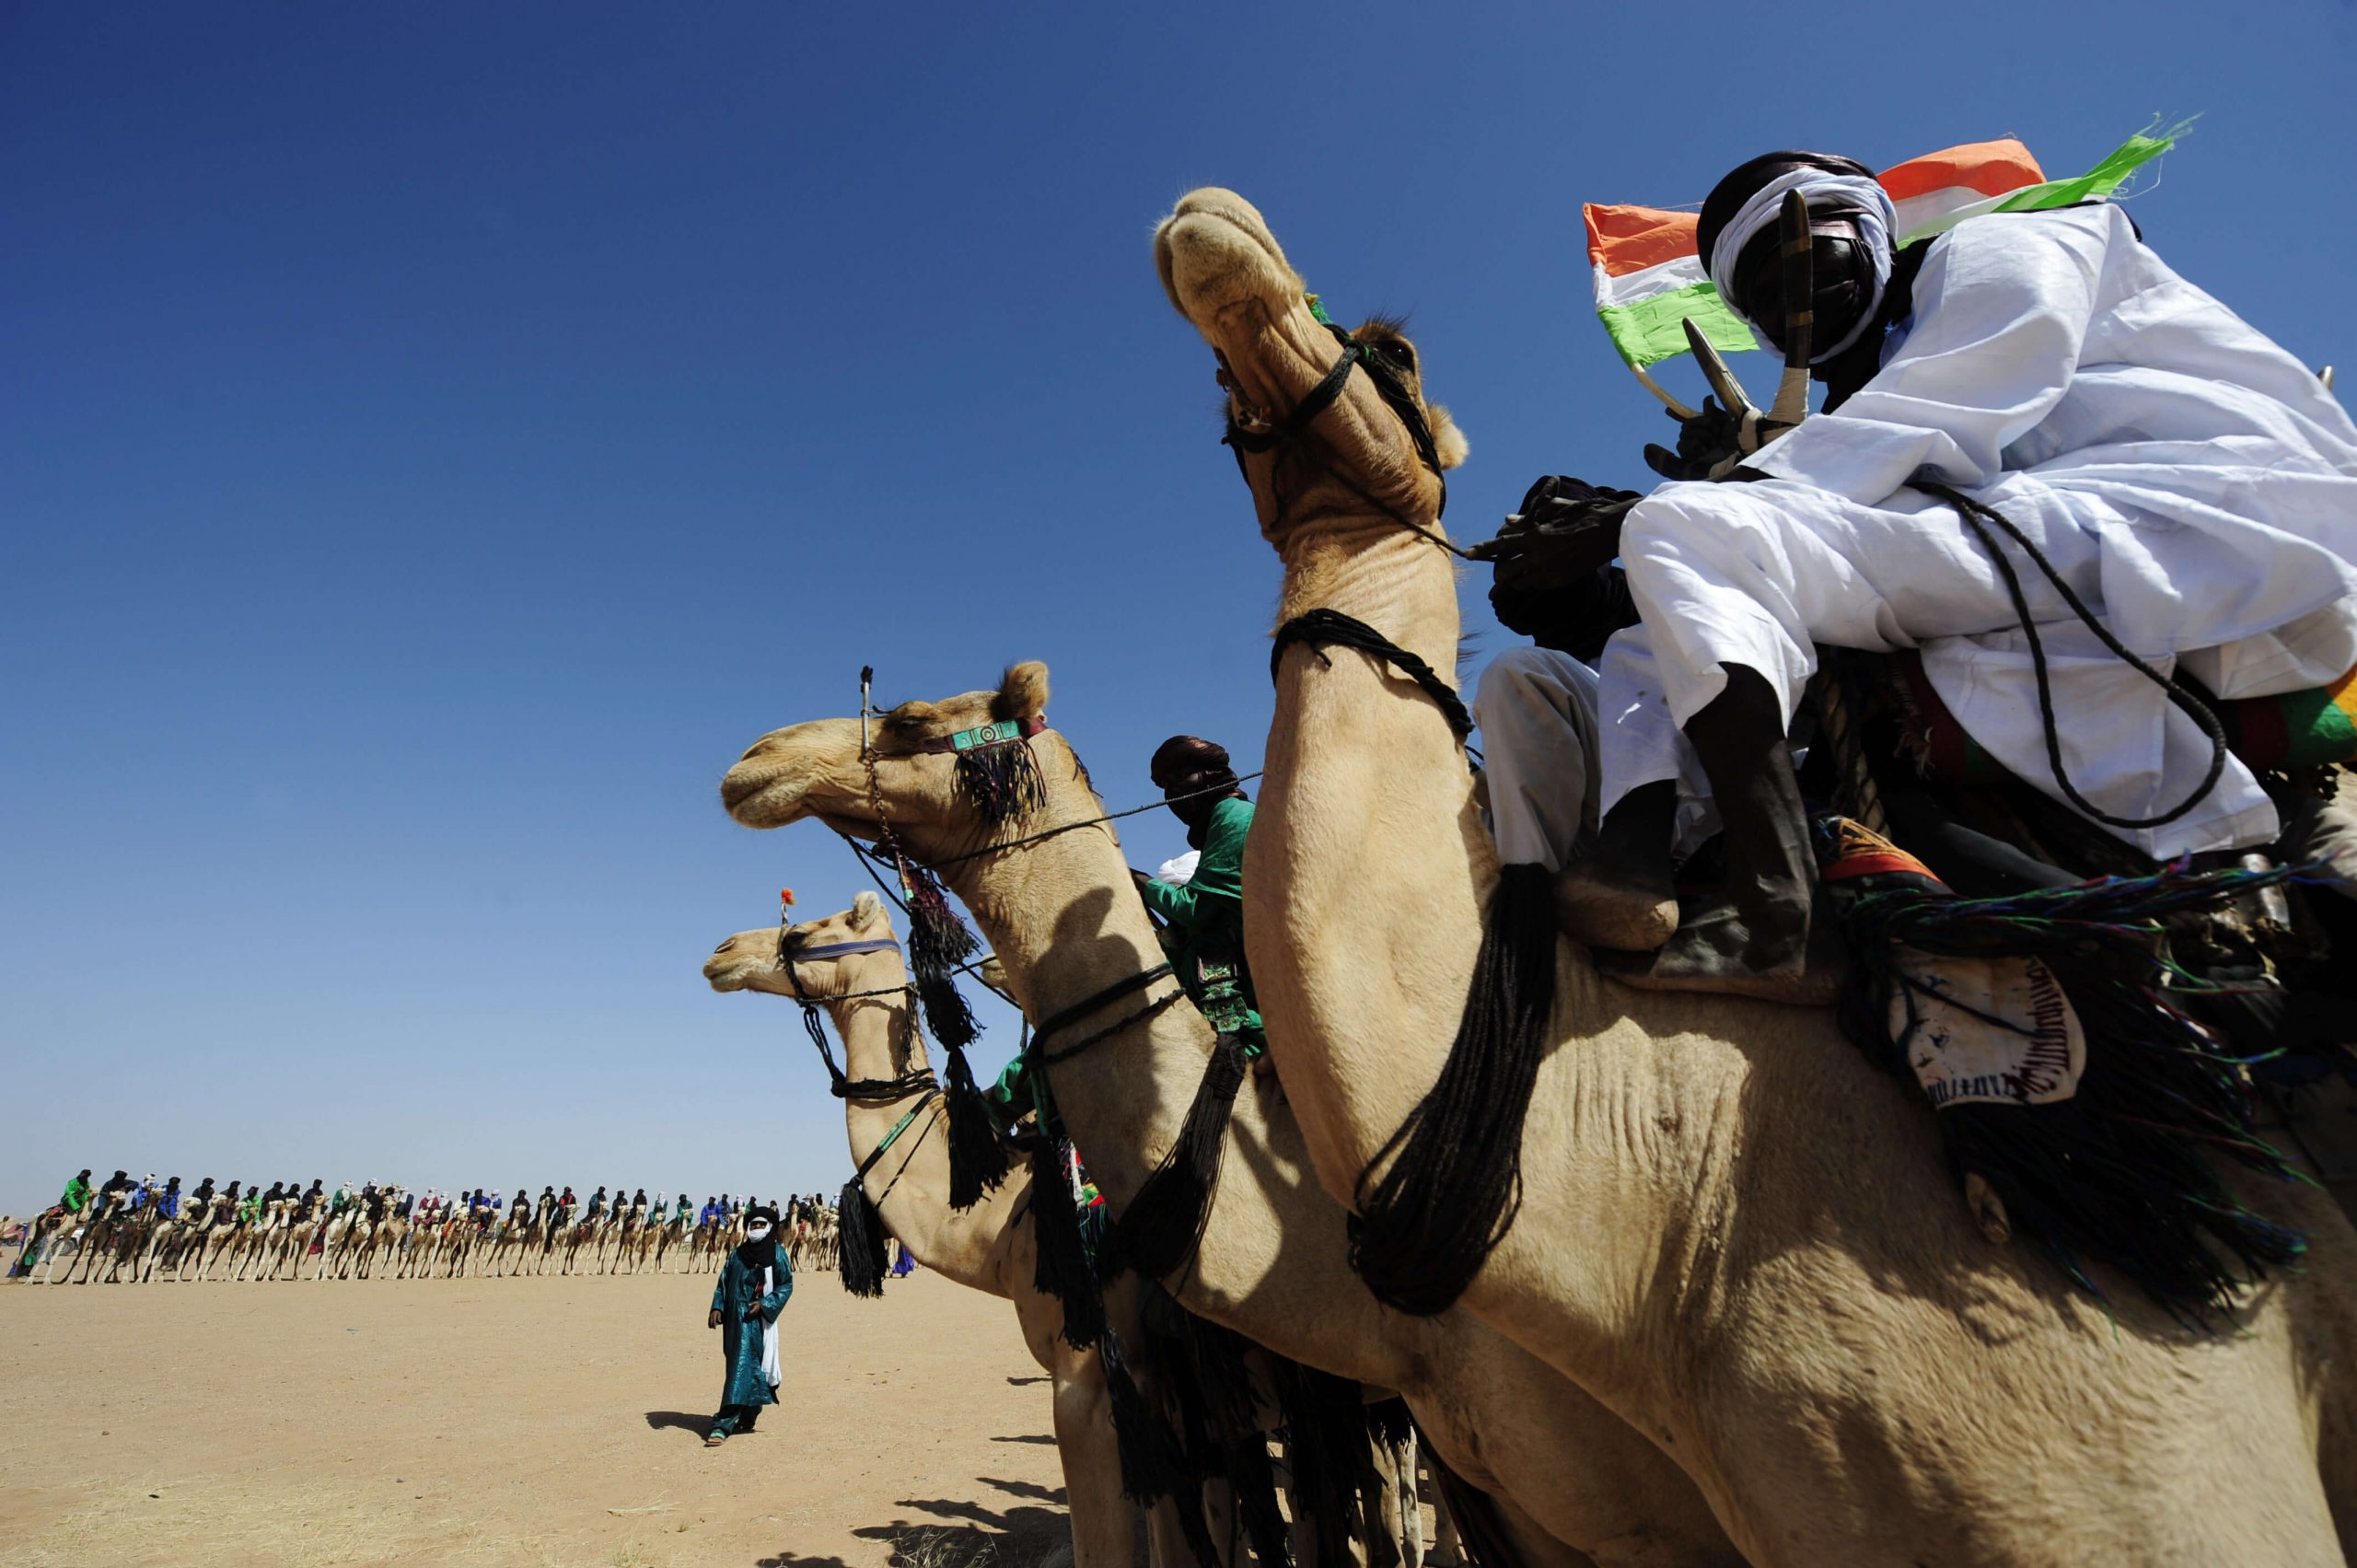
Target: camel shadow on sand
(969,1533)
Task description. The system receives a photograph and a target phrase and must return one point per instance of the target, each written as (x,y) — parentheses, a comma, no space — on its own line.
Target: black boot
(1758,938)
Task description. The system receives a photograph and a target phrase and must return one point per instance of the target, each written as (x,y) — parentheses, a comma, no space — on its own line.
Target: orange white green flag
(1650,280)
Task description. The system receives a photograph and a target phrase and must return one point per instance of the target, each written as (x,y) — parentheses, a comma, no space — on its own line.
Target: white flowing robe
(2194,483)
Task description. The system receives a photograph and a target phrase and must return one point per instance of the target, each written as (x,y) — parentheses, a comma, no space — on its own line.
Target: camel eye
(1399,352)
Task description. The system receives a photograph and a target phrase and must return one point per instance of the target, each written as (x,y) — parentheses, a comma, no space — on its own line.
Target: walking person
(754,1287)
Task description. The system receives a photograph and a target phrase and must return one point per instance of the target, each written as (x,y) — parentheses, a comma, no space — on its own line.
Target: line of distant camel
(281,1239)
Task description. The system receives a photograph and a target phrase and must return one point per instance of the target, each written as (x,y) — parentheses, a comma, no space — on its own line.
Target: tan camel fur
(1734,1231)
(989,1246)
(1066,922)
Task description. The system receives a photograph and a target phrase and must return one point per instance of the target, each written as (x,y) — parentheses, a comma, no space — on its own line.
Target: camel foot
(1608,906)
(1716,950)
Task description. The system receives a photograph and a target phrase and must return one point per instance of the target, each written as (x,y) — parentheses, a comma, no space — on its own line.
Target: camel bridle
(790,953)
(1260,431)
(921,1083)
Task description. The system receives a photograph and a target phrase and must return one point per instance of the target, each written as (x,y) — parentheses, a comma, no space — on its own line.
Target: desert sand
(545,1422)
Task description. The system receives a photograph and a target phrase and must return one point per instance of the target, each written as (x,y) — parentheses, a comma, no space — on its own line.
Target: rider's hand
(1704,442)
(713,1321)
(1566,532)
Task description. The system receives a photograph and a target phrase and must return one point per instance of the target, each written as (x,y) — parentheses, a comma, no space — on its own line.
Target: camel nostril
(724,948)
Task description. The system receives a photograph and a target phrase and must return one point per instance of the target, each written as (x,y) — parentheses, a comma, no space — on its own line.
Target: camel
(519,1244)
(624,1239)
(392,1239)
(1731,1230)
(337,1239)
(163,1241)
(260,1236)
(199,1218)
(989,1246)
(117,1240)
(56,1233)
(218,1222)
(1065,922)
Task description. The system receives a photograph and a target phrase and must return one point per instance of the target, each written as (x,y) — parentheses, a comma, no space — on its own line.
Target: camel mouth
(730,970)
(1215,251)
(760,792)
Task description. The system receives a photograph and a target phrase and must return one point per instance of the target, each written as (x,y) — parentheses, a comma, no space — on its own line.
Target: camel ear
(867,909)
(1024,693)
(1448,442)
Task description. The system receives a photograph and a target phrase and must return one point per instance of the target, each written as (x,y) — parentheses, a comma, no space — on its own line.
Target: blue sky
(436,440)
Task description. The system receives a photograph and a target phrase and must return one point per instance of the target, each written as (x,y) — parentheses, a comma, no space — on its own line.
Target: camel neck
(1374,570)
(1066,923)
(1366,880)
(910,1185)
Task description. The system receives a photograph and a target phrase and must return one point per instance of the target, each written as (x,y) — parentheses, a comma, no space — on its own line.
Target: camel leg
(1399,1521)
(49,1256)
(1101,1517)
(1448,1551)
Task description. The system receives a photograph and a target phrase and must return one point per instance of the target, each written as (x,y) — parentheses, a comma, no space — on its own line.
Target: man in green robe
(754,1287)
(1207,910)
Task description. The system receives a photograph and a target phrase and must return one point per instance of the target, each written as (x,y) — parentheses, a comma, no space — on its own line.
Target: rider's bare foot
(1606,905)
(1719,948)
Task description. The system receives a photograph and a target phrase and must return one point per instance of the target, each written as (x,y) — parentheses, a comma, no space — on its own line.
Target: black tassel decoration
(1325,1449)
(1061,1268)
(1158,1232)
(1224,1422)
(1453,1182)
(1253,1476)
(977,1159)
(946,1016)
(1389,1422)
(859,1241)
(1003,781)
(1152,1466)
(938,943)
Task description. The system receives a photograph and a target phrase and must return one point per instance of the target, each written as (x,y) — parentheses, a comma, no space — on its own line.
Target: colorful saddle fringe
(2298,729)
(2115,1169)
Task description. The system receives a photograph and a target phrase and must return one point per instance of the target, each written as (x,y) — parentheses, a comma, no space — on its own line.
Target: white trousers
(1537,711)
(1757,574)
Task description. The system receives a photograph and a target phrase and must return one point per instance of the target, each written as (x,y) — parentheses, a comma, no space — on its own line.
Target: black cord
(1088,1004)
(1974,513)
(1319,628)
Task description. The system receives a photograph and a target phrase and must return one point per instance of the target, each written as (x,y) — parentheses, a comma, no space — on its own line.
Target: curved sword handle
(1800,310)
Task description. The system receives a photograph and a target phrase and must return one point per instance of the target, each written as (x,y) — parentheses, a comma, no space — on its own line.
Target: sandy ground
(548,1421)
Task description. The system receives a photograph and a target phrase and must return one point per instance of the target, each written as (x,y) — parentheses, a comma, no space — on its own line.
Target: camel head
(1361,454)
(752,960)
(815,770)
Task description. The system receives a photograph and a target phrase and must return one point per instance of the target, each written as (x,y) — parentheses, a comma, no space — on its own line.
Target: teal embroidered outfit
(748,1320)
(1209,914)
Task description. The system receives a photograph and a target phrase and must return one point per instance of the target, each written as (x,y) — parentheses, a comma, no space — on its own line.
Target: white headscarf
(1861,199)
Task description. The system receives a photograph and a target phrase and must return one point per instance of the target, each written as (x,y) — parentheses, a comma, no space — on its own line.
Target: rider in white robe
(2194,483)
